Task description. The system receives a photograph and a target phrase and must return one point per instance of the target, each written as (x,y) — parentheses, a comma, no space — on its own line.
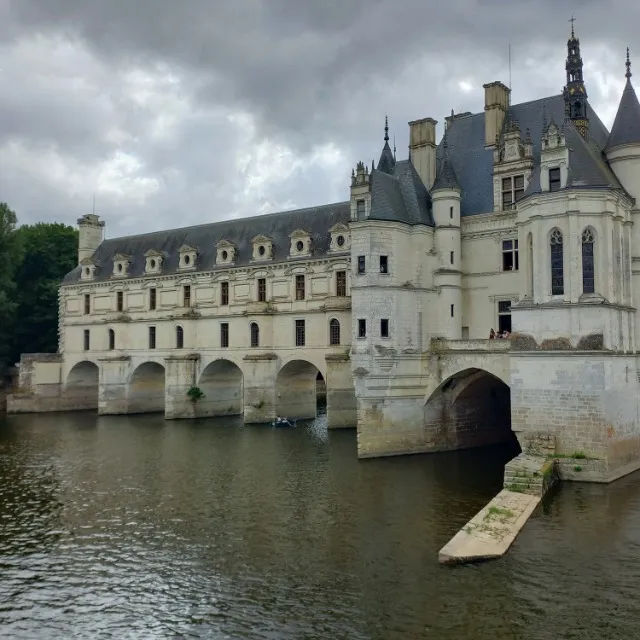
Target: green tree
(50,252)
(10,256)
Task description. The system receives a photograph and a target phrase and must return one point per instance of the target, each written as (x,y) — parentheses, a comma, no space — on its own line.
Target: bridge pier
(112,389)
(260,376)
(342,411)
(180,377)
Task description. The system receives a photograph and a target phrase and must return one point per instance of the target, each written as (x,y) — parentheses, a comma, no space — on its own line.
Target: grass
(499,512)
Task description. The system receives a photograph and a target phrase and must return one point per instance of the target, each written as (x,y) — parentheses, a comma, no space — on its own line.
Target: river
(133,527)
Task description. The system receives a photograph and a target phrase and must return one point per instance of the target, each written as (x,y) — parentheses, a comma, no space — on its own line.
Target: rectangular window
(361,264)
(554,179)
(112,339)
(300,288)
(384,328)
(451,256)
(262,290)
(87,340)
(87,304)
(451,213)
(300,333)
(224,334)
(504,316)
(512,191)
(362,328)
(452,310)
(152,299)
(360,209)
(384,264)
(152,337)
(119,300)
(510,261)
(224,293)
(186,295)
(341,283)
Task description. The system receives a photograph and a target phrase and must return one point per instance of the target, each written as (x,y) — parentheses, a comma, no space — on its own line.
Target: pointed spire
(572,20)
(446,177)
(627,75)
(387,160)
(386,128)
(373,165)
(626,126)
(575,93)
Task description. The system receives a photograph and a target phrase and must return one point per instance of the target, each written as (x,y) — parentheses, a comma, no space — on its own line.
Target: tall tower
(575,94)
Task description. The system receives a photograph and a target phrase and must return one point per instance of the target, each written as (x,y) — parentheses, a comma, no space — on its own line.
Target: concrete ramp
(491,531)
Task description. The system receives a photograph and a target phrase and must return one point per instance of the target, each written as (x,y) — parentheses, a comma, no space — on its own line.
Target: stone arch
(81,386)
(145,393)
(471,408)
(297,389)
(221,381)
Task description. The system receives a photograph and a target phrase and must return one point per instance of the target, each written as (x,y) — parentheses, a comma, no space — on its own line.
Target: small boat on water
(283,422)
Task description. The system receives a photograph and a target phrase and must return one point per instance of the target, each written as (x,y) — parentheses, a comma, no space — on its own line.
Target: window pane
(384,328)
(557,270)
(362,328)
(504,306)
(361,264)
(518,182)
(588,271)
(506,184)
(341,283)
(334,332)
(507,245)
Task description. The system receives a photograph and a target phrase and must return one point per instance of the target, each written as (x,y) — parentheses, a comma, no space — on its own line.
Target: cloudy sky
(182,112)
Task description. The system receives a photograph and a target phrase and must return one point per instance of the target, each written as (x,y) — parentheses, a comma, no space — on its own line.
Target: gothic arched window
(255,335)
(588,265)
(179,338)
(557,263)
(334,332)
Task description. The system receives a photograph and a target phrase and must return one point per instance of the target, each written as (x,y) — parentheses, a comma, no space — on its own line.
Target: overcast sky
(182,112)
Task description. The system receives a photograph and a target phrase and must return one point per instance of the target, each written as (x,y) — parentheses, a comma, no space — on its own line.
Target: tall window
(224,334)
(224,293)
(588,270)
(341,283)
(152,298)
(384,264)
(360,209)
(362,328)
(262,290)
(510,261)
(119,300)
(334,332)
(300,287)
(186,295)
(512,191)
(361,264)
(179,338)
(504,316)
(530,265)
(112,339)
(87,304)
(152,337)
(255,334)
(554,180)
(87,340)
(557,263)
(384,328)
(300,333)
(453,309)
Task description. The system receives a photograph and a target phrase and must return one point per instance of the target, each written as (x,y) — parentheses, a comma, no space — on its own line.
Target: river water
(133,527)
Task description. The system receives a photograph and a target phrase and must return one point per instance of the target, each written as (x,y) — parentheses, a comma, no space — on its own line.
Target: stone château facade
(521,218)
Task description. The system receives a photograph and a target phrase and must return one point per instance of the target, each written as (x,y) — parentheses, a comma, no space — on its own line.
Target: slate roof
(473,164)
(626,126)
(276,226)
(400,195)
(387,161)
(446,177)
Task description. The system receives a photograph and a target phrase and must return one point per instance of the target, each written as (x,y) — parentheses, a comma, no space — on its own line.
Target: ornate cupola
(575,94)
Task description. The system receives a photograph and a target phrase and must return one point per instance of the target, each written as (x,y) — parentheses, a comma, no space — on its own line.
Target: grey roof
(387,161)
(400,195)
(473,164)
(446,177)
(626,126)
(277,226)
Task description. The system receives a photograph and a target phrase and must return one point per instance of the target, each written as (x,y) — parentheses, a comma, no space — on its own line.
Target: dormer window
(262,248)
(512,191)
(340,239)
(188,257)
(226,253)
(554,179)
(88,269)
(153,261)
(300,243)
(121,265)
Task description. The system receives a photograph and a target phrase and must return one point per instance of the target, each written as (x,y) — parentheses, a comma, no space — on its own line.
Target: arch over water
(146,389)
(297,390)
(470,409)
(81,386)
(222,385)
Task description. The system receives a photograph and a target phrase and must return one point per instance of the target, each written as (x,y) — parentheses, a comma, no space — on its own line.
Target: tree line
(33,261)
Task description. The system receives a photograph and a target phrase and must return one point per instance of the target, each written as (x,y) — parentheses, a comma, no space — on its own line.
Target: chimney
(90,236)
(496,103)
(422,149)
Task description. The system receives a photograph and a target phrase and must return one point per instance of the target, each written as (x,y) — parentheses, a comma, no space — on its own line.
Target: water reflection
(133,527)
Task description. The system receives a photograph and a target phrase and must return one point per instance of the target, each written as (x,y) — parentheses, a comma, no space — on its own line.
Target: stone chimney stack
(496,103)
(422,149)
(91,235)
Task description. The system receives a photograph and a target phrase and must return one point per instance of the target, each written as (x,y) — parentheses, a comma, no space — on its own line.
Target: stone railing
(500,346)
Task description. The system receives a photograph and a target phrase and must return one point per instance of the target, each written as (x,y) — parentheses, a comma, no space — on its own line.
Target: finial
(386,128)
(628,65)
(544,118)
(394,147)
(373,165)
(572,20)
